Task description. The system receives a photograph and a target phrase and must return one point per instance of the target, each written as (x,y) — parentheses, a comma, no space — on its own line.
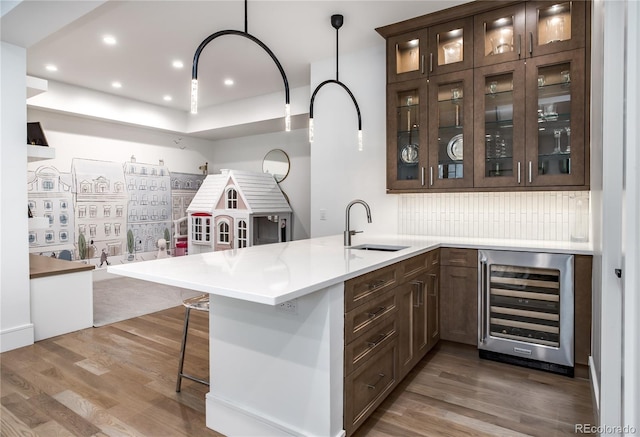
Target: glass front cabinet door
(555,127)
(450,47)
(499,129)
(406,142)
(407,56)
(450,135)
(554,27)
(498,35)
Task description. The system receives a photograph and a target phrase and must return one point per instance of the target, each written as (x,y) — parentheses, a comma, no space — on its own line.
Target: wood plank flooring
(119,380)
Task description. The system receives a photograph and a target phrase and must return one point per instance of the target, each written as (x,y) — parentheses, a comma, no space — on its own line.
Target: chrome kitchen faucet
(348,232)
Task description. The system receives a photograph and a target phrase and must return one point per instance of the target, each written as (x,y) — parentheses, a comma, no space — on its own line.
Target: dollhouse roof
(260,192)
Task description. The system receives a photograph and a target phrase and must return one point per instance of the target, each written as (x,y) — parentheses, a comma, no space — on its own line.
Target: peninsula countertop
(275,273)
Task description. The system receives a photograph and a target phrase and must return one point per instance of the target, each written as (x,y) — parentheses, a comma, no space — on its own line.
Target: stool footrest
(193,378)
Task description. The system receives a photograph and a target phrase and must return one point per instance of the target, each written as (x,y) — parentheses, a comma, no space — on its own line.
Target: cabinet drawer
(450,256)
(367,387)
(359,321)
(418,264)
(361,289)
(377,337)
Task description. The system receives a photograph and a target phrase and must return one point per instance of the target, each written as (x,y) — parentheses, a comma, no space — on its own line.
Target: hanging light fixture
(246,34)
(336,21)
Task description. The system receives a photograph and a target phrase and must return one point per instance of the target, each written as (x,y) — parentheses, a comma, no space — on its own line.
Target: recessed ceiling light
(51,67)
(108,39)
(167,98)
(177,64)
(116,84)
(228,82)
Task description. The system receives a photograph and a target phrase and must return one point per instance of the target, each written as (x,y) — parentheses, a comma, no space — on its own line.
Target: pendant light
(245,34)
(336,21)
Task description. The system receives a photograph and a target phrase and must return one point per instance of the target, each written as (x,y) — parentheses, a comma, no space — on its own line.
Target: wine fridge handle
(482,298)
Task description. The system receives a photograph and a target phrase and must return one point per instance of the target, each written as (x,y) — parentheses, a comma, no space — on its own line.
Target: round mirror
(276,162)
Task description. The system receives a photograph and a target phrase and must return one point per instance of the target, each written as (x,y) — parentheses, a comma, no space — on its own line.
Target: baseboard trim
(17,337)
(595,388)
(232,420)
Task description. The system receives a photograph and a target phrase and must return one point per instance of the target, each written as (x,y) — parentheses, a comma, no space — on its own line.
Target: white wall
(247,153)
(78,137)
(339,172)
(16,329)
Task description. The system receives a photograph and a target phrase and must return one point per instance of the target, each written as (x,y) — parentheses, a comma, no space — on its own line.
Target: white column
(16,329)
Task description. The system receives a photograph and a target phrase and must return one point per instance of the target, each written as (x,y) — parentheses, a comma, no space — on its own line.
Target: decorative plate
(409,154)
(454,148)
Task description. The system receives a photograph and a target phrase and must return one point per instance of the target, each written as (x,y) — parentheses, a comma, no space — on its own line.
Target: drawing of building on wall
(100,212)
(184,187)
(149,203)
(50,195)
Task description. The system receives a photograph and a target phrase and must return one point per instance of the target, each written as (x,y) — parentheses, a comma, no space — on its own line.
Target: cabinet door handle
(519,45)
(373,386)
(530,172)
(422,64)
(518,172)
(377,340)
(422,171)
(434,284)
(482,290)
(376,313)
(430,62)
(419,300)
(530,43)
(431,176)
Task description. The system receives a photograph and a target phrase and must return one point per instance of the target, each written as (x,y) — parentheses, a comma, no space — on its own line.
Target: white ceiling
(152,34)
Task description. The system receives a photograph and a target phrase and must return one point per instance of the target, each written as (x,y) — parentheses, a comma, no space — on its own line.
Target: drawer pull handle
(377,341)
(377,312)
(376,284)
(373,386)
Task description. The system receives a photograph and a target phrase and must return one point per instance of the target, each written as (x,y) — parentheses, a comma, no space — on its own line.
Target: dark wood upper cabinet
(489,95)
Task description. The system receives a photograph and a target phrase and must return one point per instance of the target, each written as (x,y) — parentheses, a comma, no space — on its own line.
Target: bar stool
(198,303)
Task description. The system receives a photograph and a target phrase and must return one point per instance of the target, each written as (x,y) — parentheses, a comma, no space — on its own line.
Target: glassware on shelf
(501,146)
(540,81)
(456,94)
(565,76)
(555,29)
(502,40)
(493,88)
(568,131)
(549,112)
(488,145)
(452,52)
(556,134)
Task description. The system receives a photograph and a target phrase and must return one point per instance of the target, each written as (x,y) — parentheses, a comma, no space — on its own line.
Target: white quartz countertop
(275,273)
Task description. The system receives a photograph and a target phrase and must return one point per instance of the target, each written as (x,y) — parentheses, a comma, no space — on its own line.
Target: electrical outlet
(323,214)
(289,307)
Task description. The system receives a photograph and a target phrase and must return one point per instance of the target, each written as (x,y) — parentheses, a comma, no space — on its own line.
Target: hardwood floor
(452,392)
(116,380)
(119,380)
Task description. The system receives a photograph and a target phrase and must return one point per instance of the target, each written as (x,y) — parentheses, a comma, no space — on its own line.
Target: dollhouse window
(223,232)
(232,199)
(242,234)
(201,229)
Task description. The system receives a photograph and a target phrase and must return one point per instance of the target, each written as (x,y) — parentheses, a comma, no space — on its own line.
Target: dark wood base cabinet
(391,322)
(459,295)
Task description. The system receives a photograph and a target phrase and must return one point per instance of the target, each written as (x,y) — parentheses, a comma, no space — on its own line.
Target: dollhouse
(236,209)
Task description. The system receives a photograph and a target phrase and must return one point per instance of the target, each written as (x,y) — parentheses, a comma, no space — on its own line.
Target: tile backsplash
(551,215)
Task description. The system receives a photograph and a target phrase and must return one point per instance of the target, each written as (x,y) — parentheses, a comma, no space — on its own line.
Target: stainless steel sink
(379,247)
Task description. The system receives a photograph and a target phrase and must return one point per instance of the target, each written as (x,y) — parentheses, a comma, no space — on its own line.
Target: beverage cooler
(526,309)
